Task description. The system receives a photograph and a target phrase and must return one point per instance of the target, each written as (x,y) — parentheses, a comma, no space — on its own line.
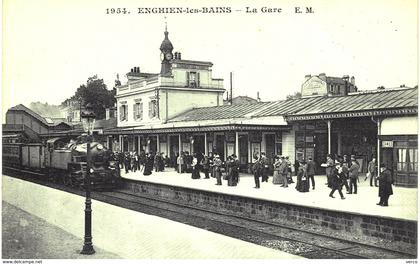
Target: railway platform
(402,204)
(117,232)
(356,219)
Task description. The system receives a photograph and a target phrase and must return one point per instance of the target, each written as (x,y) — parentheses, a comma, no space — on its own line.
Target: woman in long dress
(276,175)
(148,167)
(302,178)
(194,166)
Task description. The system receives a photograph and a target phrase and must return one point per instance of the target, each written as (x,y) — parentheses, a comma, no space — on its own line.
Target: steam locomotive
(62,160)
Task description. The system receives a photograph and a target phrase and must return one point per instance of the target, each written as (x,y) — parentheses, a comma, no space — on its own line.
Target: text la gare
(265,9)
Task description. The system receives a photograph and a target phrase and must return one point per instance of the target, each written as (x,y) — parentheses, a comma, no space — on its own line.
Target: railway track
(285,238)
(292,240)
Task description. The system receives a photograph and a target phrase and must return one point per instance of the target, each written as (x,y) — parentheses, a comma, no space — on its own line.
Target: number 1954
(117,11)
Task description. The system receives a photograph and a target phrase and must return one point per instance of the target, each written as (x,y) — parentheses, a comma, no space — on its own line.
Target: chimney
(258,97)
(322,76)
(132,70)
(307,77)
(179,55)
(353,80)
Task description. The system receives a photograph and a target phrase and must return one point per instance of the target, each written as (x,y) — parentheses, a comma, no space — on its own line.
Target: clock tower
(166,54)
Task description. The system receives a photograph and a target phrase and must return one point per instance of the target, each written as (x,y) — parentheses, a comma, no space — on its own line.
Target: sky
(51,47)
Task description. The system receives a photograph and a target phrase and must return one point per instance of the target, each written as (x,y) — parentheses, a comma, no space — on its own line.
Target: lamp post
(88,121)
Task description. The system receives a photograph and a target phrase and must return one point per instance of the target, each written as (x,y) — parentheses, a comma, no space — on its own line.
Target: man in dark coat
(217,164)
(353,175)
(127,161)
(283,170)
(264,167)
(310,171)
(256,170)
(335,181)
(385,185)
(205,166)
(234,171)
(345,175)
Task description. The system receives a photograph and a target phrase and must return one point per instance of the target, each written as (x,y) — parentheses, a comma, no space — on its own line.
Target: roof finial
(166,25)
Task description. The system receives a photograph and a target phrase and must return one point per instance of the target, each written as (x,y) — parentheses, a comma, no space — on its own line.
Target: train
(62,160)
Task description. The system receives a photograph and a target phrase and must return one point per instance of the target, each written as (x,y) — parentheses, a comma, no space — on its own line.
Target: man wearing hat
(329,168)
(353,175)
(234,177)
(264,167)
(336,181)
(217,164)
(310,171)
(283,170)
(256,170)
(385,185)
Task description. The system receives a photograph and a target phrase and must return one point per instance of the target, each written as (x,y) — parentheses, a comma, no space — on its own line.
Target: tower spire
(166,52)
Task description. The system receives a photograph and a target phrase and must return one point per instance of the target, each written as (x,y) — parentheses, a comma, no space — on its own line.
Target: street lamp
(88,121)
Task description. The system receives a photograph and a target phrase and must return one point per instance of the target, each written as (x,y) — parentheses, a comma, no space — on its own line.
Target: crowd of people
(345,172)
(145,162)
(211,166)
(340,171)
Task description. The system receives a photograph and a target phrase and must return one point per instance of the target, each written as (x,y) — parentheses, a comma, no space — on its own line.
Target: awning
(405,125)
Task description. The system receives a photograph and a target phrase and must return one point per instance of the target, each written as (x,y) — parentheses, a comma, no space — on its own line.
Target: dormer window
(193,79)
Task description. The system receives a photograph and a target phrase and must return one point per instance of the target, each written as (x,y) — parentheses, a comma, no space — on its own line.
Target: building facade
(379,123)
(326,85)
(182,85)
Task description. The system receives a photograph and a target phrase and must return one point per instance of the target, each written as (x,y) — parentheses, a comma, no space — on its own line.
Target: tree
(296,95)
(96,93)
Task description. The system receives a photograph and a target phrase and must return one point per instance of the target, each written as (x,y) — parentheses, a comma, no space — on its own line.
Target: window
(152,109)
(123,113)
(193,79)
(407,159)
(412,163)
(138,111)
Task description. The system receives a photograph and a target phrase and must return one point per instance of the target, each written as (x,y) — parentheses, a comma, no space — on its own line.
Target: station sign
(387,144)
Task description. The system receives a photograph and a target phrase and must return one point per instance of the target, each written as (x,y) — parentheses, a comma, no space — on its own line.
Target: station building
(182,109)
(154,113)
